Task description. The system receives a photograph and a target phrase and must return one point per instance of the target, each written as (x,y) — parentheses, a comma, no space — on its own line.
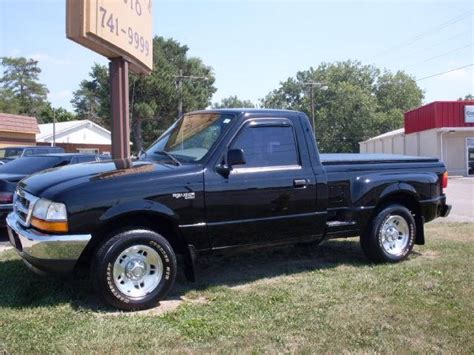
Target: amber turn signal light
(49,226)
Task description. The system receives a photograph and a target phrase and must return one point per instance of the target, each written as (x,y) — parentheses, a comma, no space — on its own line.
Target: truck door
(270,198)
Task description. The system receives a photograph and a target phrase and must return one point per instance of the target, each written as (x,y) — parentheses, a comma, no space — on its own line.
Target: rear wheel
(390,236)
(134,269)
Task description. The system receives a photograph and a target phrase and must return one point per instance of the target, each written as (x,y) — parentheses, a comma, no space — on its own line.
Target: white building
(82,136)
(444,130)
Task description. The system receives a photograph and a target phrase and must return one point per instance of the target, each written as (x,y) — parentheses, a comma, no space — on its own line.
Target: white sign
(469,114)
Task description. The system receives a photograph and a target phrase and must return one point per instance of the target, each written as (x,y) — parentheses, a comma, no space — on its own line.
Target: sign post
(122,31)
(118,69)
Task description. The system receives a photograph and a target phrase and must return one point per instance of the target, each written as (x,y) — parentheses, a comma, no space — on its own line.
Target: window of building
(88,150)
(470,156)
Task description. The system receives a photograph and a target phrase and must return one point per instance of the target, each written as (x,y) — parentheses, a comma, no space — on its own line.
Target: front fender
(139,206)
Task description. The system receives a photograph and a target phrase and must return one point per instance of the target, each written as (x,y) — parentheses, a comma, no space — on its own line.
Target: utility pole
(54,128)
(312,85)
(179,83)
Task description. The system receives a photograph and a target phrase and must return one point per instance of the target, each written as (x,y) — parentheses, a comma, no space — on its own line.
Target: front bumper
(46,253)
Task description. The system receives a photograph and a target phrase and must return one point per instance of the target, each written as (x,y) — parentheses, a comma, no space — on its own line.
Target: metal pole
(312,107)
(180,93)
(179,85)
(54,128)
(120,108)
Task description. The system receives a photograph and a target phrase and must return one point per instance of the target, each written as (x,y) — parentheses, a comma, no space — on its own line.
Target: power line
(416,38)
(423,49)
(445,72)
(440,55)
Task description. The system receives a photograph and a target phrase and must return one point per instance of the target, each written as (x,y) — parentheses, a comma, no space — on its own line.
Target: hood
(8,182)
(59,179)
(72,175)
(12,177)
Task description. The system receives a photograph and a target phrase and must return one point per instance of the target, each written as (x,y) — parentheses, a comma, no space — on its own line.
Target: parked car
(12,173)
(8,154)
(218,180)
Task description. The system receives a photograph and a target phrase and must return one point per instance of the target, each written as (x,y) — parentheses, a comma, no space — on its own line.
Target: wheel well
(147,220)
(409,201)
(404,199)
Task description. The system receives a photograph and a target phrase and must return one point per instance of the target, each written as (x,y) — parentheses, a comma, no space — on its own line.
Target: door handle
(299,183)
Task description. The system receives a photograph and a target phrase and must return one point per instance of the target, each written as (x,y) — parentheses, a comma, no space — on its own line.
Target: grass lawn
(296,299)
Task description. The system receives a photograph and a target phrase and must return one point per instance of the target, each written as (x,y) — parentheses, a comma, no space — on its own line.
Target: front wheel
(134,269)
(390,236)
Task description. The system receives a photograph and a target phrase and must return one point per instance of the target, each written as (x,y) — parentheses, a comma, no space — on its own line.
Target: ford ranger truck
(217,180)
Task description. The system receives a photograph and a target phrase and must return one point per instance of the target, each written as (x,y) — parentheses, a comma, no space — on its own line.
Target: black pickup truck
(217,180)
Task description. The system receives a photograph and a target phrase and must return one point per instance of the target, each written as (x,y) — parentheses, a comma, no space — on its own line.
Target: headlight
(49,211)
(49,216)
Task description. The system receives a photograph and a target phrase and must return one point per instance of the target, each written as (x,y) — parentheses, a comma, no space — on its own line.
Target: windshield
(191,137)
(10,152)
(29,165)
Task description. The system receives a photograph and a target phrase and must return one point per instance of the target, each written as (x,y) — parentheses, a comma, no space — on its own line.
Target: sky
(253,45)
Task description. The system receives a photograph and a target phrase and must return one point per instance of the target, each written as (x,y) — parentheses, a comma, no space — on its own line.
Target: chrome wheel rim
(137,271)
(395,234)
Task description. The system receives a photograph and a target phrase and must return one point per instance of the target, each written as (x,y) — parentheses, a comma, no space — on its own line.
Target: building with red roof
(442,129)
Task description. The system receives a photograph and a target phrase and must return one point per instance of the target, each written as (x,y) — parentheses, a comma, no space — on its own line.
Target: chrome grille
(23,204)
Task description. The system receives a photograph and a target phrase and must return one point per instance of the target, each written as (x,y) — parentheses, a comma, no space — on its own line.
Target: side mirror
(235,157)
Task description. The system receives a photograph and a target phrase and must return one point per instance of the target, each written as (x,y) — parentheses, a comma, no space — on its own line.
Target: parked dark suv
(8,154)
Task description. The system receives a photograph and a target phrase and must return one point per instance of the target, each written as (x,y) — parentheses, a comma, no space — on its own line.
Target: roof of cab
(29,147)
(63,155)
(277,112)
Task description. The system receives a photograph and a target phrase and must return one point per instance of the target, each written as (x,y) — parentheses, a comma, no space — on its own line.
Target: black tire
(375,241)
(105,282)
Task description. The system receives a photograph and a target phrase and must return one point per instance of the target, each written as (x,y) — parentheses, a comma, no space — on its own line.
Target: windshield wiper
(169,155)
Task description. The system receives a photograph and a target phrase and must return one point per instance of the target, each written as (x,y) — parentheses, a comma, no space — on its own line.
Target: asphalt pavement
(460,194)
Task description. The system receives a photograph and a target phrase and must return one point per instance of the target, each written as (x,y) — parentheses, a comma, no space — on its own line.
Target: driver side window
(267,146)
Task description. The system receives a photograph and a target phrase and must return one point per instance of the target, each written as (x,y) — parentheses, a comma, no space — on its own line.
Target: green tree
(397,91)
(233,102)
(48,114)
(153,98)
(9,102)
(20,89)
(468,97)
(92,100)
(360,101)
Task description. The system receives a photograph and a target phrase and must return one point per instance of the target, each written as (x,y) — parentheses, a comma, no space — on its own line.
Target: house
(82,136)
(442,129)
(16,130)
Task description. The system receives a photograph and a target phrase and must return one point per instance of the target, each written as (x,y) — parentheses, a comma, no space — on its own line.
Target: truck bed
(351,176)
(353,158)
